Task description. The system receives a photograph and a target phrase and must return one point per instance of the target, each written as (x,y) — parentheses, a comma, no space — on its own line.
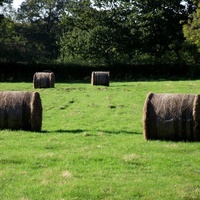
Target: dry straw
(20,110)
(44,80)
(100,78)
(173,117)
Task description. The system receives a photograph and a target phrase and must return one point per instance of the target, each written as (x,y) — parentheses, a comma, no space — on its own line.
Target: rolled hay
(20,110)
(44,80)
(100,78)
(174,117)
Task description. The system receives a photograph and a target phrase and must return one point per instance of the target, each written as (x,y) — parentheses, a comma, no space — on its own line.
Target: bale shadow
(118,132)
(78,131)
(75,131)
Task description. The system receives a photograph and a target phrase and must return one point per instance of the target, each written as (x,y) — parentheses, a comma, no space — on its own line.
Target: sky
(17,3)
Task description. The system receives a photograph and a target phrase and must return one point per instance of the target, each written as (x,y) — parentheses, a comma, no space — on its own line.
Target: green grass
(91,147)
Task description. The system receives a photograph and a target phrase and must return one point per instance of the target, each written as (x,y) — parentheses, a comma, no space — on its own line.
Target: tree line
(100,32)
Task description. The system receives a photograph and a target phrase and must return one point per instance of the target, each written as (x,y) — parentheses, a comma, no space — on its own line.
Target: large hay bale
(44,80)
(20,110)
(100,78)
(173,117)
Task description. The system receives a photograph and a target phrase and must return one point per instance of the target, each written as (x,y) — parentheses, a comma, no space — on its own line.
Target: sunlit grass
(91,147)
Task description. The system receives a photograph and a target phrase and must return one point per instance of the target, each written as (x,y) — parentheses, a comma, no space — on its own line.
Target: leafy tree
(1,5)
(39,27)
(192,28)
(159,26)
(95,34)
(97,31)
(10,47)
(120,30)
(7,40)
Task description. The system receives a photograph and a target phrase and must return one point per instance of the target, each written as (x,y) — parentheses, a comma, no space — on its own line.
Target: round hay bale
(174,117)
(100,78)
(44,80)
(20,110)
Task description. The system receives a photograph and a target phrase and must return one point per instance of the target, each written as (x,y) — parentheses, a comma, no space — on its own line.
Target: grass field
(91,147)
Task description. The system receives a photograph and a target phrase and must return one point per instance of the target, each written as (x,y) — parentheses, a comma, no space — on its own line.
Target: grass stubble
(91,147)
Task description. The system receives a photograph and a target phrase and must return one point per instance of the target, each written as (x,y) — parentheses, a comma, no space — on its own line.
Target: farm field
(92,147)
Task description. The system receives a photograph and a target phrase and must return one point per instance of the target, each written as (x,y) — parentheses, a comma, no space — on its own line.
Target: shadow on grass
(118,132)
(77,131)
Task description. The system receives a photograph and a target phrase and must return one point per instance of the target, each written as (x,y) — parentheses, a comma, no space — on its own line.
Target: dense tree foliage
(8,36)
(124,30)
(1,4)
(97,35)
(101,32)
(192,28)
(39,28)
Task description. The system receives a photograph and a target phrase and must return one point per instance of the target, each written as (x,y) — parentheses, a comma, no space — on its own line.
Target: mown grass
(91,147)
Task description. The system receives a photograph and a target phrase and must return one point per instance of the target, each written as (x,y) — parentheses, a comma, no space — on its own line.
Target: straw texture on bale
(100,78)
(174,117)
(20,110)
(44,80)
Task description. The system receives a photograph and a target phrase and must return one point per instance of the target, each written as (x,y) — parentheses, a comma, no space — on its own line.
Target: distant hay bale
(100,78)
(174,117)
(44,80)
(20,110)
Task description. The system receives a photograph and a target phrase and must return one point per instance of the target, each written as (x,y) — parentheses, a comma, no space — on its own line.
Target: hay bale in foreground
(100,78)
(173,117)
(20,110)
(44,80)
